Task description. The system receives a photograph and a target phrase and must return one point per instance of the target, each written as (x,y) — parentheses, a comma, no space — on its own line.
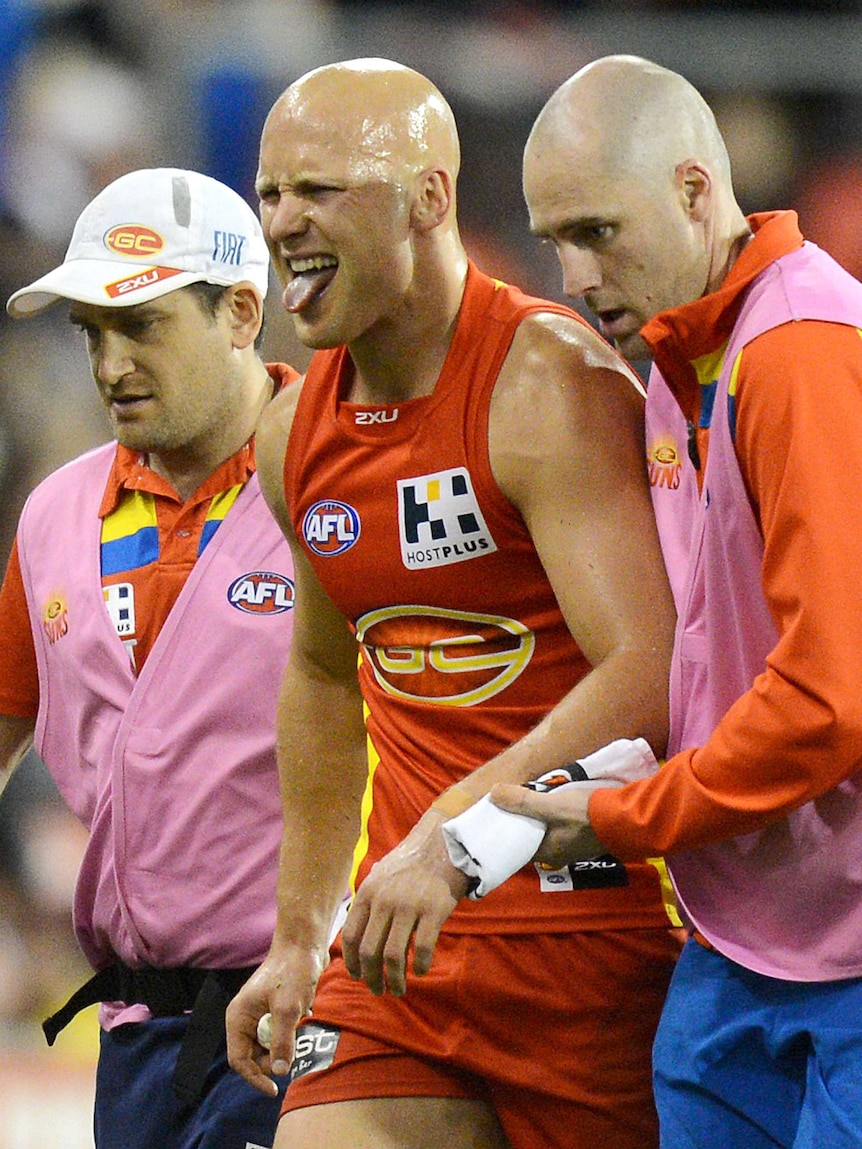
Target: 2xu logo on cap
(133,239)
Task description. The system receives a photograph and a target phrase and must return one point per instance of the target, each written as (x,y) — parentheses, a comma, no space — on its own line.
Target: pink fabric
(174,772)
(785,901)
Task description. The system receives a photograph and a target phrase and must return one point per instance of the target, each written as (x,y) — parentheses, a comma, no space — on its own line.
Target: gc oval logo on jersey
(445,657)
(330,527)
(262,592)
(134,239)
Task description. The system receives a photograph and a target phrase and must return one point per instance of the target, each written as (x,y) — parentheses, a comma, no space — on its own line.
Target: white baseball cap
(150,232)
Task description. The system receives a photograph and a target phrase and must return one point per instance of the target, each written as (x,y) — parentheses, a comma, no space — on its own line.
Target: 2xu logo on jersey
(262,592)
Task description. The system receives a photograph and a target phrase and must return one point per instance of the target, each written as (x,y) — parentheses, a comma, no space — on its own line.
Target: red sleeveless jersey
(463,647)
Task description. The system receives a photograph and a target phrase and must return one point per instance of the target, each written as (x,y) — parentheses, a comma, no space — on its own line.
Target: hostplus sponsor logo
(120,601)
(440,521)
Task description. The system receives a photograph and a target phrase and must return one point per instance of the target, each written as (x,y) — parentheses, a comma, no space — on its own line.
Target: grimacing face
(338,230)
(626,247)
(163,369)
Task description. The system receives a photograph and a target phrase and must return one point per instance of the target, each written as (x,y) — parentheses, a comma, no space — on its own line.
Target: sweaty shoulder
(562,390)
(564,403)
(550,341)
(273,431)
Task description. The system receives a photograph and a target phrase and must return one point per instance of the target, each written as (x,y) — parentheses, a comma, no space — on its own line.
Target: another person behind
(461,476)
(754,410)
(145,620)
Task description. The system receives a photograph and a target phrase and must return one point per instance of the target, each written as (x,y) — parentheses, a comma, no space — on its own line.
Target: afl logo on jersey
(330,528)
(261,592)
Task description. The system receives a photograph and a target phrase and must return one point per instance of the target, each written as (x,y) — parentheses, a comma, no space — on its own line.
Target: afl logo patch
(330,527)
(261,592)
(134,239)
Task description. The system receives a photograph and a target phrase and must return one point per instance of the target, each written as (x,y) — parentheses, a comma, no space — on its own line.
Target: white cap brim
(102,283)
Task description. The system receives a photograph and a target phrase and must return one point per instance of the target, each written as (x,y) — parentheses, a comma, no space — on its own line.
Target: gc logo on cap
(134,239)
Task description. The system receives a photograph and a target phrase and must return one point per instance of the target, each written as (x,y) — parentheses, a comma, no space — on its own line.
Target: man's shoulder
(559,342)
(89,466)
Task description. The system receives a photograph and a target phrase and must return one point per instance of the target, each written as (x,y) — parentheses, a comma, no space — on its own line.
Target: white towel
(489,844)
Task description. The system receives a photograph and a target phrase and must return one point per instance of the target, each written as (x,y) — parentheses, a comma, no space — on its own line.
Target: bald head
(356,178)
(390,121)
(630,114)
(625,171)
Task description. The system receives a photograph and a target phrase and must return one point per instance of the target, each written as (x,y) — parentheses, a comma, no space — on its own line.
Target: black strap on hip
(166,993)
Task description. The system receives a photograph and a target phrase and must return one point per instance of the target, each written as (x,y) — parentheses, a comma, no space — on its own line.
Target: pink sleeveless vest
(784,901)
(173,772)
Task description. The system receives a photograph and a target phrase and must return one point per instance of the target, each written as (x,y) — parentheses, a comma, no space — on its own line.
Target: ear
(695,183)
(245,312)
(435,199)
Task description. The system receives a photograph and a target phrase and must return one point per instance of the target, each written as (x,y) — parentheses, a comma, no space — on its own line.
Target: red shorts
(554,1031)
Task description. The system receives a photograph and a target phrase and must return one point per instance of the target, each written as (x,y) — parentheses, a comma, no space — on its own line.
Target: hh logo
(330,527)
(440,521)
(120,601)
(261,592)
(445,657)
(55,618)
(134,239)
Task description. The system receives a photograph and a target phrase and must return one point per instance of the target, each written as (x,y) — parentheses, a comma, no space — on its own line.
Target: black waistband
(166,993)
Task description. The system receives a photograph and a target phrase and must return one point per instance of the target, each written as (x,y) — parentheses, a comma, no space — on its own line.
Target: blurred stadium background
(90,90)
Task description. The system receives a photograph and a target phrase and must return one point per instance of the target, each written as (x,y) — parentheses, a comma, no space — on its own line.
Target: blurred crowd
(90,90)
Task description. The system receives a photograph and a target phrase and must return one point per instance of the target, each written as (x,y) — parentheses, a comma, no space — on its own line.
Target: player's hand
(569,837)
(282,986)
(407,895)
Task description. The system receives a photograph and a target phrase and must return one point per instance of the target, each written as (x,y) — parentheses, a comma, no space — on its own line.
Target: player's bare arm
(321,757)
(567,449)
(270,444)
(16,738)
(566,442)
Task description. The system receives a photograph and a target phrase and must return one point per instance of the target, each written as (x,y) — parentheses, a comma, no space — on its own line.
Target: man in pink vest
(754,449)
(145,621)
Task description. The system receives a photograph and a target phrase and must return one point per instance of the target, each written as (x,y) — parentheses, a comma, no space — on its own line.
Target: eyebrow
(573,223)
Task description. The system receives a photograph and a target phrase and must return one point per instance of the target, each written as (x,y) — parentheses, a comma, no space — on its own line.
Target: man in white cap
(145,620)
